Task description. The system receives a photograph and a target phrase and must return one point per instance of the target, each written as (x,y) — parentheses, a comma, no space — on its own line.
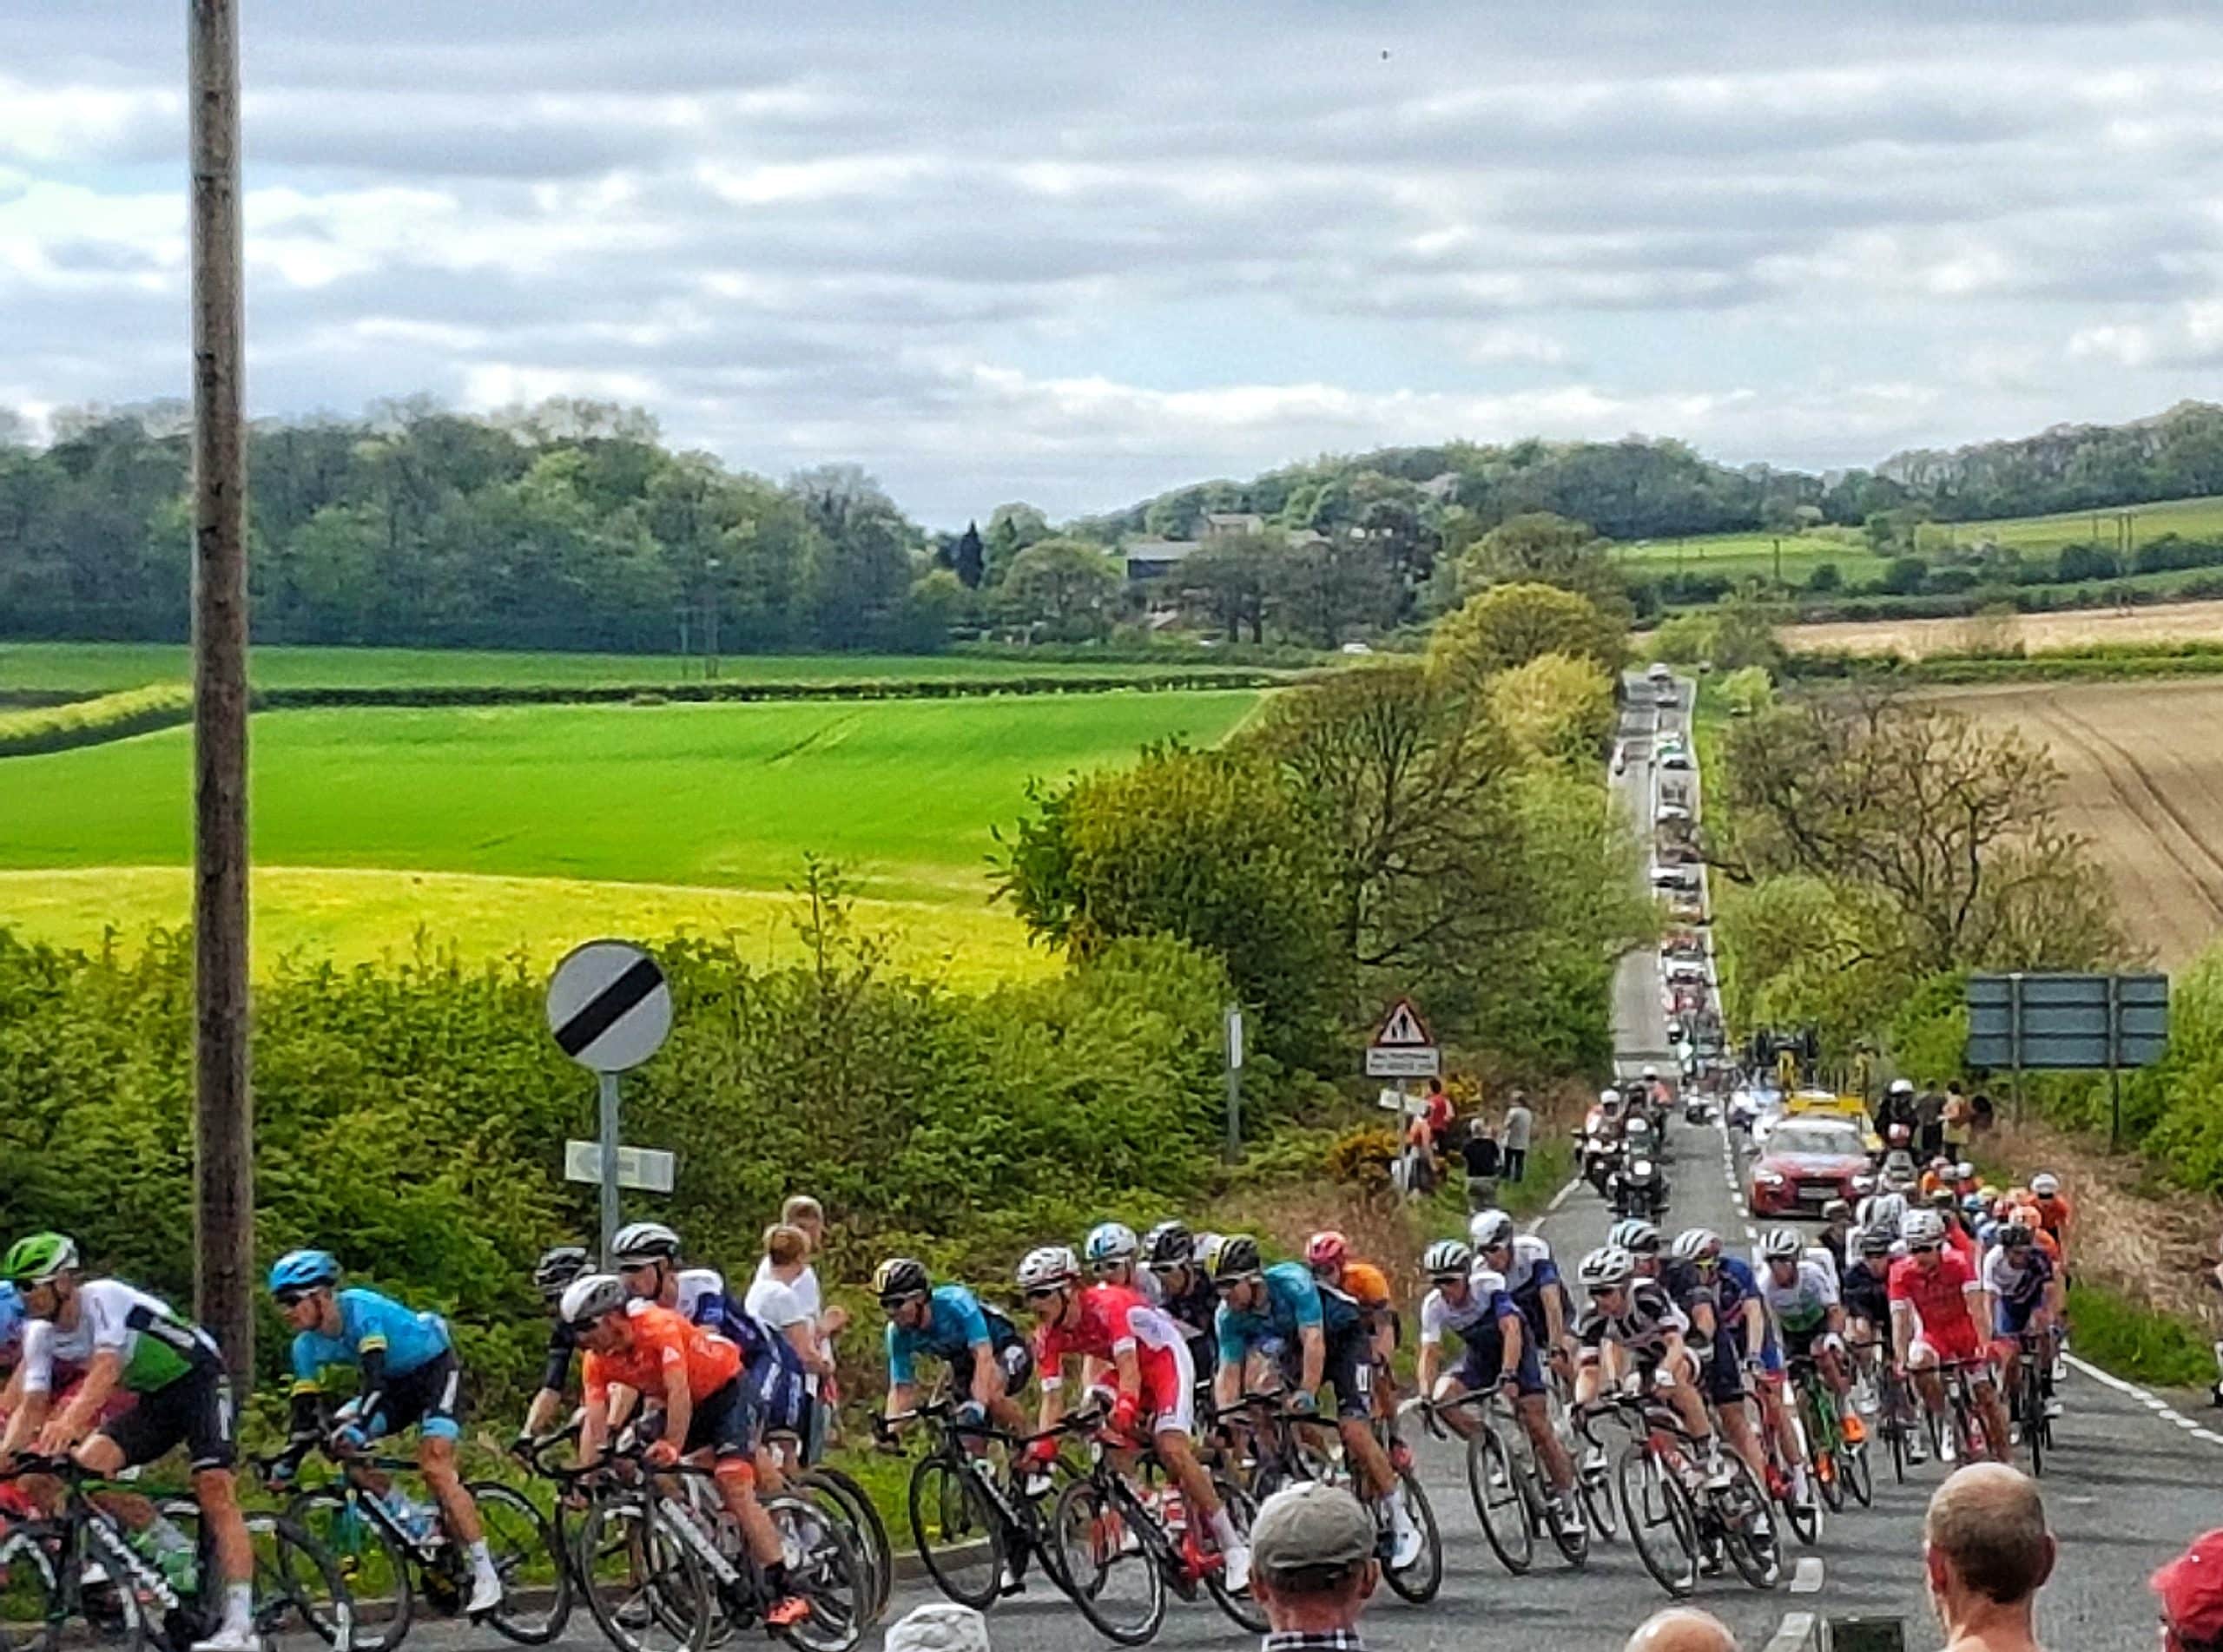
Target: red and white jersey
(1111,1320)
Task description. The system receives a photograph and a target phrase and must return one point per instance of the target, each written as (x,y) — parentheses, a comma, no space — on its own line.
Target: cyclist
(1470,1301)
(1172,1252)
(126,1340)
(408,1376)
(1937,1304)
(1634,1333)
(1327,1253)
(694,1375)
(2054,1208)
(1316,1336)
(558,1266)
(1834,1240)
(1801,1294)
(987,1359)
(1531,1278)
(1114,1256)
(1865,1289)
(2026,1297)
(647,1257)
(1109,1325)
(1722,1296)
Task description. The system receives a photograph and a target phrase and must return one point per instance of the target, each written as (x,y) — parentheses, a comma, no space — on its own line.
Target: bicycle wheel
(30,1595)
(1498,1503)
(536,1583)
(371,1562)
(1116,1580)
(1663,1526)
(2037,1432)
(1856,1474)
(1746,1530)
(846,1502)
(1417,1582)
(823,1568)
(646,1587)
(1237,1603)
(960,1539)
(302,1600)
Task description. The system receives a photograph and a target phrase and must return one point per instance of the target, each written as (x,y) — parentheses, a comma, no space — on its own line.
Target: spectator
(941,1627)
(1312,1568)
(1930,1124)
(1481,1154)
(806,1212)
(1988,1553)
(774,1299)
(1980,1109)
(1682,1628)
(1439,1115)
(1959,1119)
(2191,1587)
(1519,1120)
(1418,1163)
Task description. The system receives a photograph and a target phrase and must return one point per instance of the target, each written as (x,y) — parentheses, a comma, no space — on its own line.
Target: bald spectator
(1682,1628)
(1988,1553)
(1312,1568)
(2191,1587)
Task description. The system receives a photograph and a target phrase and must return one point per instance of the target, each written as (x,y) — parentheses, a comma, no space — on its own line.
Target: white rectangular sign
(1235,1039)
(1407,1060)
(643,1169)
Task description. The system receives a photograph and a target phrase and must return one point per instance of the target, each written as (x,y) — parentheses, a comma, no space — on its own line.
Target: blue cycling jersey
(955,1322)
(368,1323)
(703,1299)
(1294,1300)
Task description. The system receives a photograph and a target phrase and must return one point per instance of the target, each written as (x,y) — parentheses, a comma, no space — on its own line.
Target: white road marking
(2158,1406)
(1808,1576)
(1560,1198)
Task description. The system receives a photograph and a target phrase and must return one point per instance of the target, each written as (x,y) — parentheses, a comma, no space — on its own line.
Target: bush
(1905,576)
(1825,578)
(88,723)
(1361,1158)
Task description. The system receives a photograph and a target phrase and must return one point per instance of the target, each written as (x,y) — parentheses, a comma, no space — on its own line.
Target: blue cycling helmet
(300,1270)
(11,1314)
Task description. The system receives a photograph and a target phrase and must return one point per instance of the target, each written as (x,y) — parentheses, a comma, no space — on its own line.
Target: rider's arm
(594,1425)
(1902,1330)
(1431,1352)
(1511,1327)
(101,1379)
(1054,1393)
(1314,1342)
(1234,1356)
(679,1401)
(902,1380)
(1756,1327)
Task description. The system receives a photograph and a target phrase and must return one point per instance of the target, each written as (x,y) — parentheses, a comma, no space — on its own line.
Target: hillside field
(2065,627)
(641,818)
(96,667)
(2144,762)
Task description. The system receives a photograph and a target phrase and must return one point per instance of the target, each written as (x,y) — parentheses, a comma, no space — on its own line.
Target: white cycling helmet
(2045,1184)
(1651,1072)
(1605,1267)
(1694,1243)
(592,1297)
(1489,1229)
(1634,1235)
(1923,1227)
(1902,1087)
(1781,1244)
(1111,1241)
(1447,1259)
(1048,1265)
(645,1241)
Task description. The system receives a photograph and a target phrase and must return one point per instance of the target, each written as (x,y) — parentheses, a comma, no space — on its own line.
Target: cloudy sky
(1076,252)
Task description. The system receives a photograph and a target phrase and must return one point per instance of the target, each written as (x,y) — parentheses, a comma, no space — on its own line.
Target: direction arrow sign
(607,1006)
(643,1169)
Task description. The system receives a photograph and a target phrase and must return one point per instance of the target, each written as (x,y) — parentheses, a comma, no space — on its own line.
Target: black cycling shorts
(723,1423)
(430,1397)
(1014,1360)
(1348,1367)
(195,1410)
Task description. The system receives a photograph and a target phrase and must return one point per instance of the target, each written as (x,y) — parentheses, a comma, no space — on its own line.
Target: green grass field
(728,796)
(91,667)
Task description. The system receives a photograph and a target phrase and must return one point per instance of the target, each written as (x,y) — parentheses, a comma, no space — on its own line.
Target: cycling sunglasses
(1043,1292)
(1923,1250)
(293,1296)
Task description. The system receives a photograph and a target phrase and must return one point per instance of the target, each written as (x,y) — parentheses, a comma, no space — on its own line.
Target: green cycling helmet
(37,1258)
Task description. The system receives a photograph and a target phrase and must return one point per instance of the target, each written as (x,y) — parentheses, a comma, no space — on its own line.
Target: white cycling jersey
(1438,1313)
(1529,1252)
(1802,1306)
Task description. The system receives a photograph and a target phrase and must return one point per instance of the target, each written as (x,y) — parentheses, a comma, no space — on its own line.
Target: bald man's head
(1987,1523)
(1682,1628)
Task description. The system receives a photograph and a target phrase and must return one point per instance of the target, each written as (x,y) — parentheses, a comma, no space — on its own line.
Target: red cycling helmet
(1327,1248)
(2191,1587)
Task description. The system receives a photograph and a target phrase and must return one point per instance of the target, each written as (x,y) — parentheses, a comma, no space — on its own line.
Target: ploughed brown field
(2144,762)
(2071,628)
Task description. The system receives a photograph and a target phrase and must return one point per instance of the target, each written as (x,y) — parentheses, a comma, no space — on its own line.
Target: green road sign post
(2068,1023)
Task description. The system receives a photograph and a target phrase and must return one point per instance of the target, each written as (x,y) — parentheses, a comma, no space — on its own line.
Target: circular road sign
(607,1006)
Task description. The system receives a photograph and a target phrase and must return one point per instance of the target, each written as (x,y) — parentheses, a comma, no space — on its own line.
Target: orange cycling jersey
(2053,1214)
(1365,1284)
(663,1341)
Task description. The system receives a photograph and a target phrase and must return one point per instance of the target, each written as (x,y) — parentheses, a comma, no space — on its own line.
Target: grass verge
(2138,1344)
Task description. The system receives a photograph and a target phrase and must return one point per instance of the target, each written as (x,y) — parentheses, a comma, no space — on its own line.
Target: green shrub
(87,722)
(1361,1158)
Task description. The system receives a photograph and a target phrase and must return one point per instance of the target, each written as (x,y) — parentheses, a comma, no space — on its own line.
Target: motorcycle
(1600,1157)
(1638,1190)
(1695,1110)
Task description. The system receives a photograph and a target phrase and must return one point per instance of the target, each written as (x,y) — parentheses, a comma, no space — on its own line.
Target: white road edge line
(1808,1576)
(2153,1403)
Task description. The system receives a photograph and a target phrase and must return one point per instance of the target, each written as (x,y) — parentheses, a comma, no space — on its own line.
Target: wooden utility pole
(223,1102)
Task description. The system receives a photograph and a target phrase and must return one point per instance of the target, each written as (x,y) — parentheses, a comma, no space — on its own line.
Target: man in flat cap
(1312,1568)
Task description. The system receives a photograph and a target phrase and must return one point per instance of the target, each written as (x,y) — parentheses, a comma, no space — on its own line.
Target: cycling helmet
(1047,1266)
(1169,1245)
(1605,1267)
(1697,1244)
(11,1315)
(645,1241)
(1446,1259)
(1635,1235)
(1609,1097)
(1836,1210)
(1923,1227)
(2014,1235)
(1327,1248)
(1876,1241)
(558,1267)
(2045,1184)
(1902,1087)
(1487,1229)
(300,1270)
(900,1277)
(591,1297)
(37,1258)
(1237,1258)
(1882,1210)
(1964,1171)
(1972,1204)
(1781,1244)
(1111,1241)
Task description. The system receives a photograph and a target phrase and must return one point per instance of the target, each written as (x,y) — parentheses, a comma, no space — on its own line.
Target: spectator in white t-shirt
(775,1299)
(804,1212)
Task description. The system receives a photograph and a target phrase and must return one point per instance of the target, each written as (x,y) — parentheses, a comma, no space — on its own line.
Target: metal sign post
(608,1009)
(1234,1083)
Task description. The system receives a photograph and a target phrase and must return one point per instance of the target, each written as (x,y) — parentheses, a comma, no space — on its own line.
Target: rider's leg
(1558,1468)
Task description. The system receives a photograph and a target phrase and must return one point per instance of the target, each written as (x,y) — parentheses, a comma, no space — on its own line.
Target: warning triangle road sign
(1403,1028)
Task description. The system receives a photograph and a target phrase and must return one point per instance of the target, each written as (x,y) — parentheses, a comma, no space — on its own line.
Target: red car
(1808,1161)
